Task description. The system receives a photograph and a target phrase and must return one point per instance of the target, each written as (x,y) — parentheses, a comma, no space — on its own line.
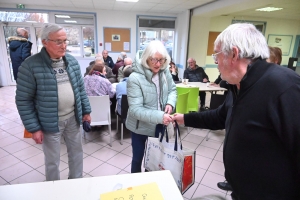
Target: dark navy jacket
(20,49)
(195,75)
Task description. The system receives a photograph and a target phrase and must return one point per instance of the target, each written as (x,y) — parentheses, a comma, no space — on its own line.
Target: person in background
(96,84)
(196,74)
(174,71)
(119,63)
(260,117)
(275,55)
(152,95)
(52,102)
(121,88)
(98,58)
(127,64)
(19,49)
(107,59)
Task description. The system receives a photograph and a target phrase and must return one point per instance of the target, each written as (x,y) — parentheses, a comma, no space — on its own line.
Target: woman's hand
(168,109)
(167,119)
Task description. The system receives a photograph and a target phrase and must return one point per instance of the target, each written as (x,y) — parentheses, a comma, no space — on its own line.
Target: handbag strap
(163,133)
(177,135)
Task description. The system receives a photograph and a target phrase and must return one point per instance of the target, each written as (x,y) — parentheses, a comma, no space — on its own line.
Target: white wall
(201,26)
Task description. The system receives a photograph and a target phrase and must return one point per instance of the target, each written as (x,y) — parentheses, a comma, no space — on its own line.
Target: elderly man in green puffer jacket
(52,102)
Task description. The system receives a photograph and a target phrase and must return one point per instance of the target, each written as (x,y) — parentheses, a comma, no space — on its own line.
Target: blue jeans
(138,143)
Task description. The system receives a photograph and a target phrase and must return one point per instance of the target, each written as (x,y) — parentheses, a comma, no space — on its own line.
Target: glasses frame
(59,42)
(214,56)
(155,61)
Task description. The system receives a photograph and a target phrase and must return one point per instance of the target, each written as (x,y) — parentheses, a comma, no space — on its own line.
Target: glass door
(296,53)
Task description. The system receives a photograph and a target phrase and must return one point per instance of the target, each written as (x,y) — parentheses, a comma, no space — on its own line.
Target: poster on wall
(115,37)
(283,42)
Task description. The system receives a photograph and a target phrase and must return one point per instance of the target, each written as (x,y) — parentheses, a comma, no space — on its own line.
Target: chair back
(182,102)
(124,107)
(100,106)
(193,99)
(216,100)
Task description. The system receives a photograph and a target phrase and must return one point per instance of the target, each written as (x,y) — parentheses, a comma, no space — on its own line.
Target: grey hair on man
(49,28)
(250,41)
(154,47)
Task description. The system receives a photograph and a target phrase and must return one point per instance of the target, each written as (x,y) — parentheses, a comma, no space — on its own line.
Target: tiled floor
(22,161)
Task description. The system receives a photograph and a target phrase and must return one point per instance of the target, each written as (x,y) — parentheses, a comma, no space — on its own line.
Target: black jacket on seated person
(195,75)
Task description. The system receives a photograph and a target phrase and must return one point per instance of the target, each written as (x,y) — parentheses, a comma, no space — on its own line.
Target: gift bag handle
(164,132)
(177,135)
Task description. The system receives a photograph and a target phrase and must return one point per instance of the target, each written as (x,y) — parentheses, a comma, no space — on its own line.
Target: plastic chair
(181,104)
(123,116)
(100,114)
(193,100)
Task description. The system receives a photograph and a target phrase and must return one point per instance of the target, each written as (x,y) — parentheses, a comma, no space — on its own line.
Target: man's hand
(205,80)
(86,117)
(179,118)
(167,119)
(168,109)
(38,137)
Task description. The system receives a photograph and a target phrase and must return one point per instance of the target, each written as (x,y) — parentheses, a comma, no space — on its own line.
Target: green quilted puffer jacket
(37,97)
(143,114)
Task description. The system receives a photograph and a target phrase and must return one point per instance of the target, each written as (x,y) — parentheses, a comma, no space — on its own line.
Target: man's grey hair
(48,29)
(154,47)
(127,61)
(250,41)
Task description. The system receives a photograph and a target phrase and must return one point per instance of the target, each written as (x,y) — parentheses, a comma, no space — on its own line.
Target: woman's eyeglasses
(161,61)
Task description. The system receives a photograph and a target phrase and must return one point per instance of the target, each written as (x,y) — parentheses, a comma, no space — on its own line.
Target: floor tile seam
(117,166)
(209,147)
(205,156)
(18,150)
(213,188)
(15,163)
(13,142)
(32,169)
(24,175)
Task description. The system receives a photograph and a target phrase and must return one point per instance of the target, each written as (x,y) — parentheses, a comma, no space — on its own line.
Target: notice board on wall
(117,39)
(211,39)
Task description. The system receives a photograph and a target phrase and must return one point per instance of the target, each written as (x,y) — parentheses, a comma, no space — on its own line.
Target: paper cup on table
(185,81)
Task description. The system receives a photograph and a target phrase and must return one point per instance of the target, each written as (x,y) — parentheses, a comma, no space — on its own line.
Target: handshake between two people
(168,118)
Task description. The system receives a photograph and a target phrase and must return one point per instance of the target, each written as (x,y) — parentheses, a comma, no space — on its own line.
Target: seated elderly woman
(96,84)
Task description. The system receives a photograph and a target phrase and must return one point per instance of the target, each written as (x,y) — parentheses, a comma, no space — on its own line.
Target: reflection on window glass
(73,34)
(23,17)
(165,36)
(39,44)
(88,41)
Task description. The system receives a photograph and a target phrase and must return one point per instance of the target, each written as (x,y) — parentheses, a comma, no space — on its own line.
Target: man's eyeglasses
(214,56)
(161,61)
(59,42)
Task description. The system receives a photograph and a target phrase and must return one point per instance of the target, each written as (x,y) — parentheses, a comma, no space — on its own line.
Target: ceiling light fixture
(62,16)
(70,21)
(128,0)
(268,9)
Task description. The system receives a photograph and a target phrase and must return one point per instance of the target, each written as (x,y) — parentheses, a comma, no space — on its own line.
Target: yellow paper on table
(148,192)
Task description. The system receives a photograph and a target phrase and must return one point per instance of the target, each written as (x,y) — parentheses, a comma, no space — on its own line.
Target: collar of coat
(18,38)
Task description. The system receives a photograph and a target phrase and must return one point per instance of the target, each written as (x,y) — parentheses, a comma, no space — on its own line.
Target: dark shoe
(224,186)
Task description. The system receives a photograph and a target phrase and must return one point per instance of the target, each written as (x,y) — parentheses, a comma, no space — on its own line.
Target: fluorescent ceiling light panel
(128,0)
(70,21)
(268,9)
(62,16)
(31,21)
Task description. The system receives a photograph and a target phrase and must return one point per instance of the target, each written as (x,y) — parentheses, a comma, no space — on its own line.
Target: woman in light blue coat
(151,96)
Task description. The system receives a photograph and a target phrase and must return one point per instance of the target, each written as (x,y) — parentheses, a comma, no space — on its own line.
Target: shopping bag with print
(164,154)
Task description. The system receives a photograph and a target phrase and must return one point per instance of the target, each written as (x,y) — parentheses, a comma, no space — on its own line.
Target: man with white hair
(19,49)
(261,117)
(119,63)
(107,59)
(52,102)
(127,64)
